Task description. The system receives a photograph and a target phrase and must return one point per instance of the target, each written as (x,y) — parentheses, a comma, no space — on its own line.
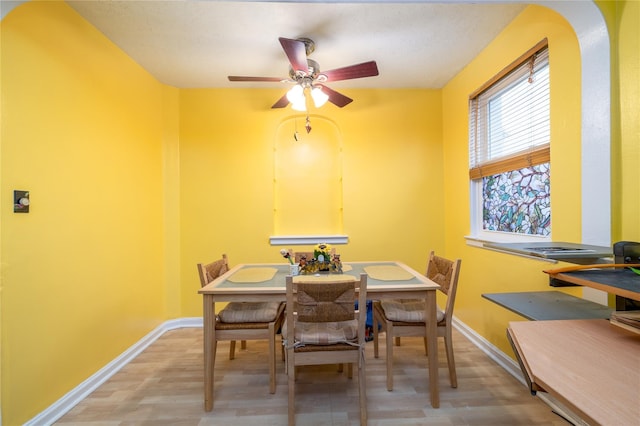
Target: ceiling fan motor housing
(309,45)
(312,72)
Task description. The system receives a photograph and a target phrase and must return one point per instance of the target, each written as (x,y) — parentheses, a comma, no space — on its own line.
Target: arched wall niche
(591,30)
(307,170)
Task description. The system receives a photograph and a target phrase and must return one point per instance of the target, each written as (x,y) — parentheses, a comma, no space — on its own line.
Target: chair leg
(282,351)
(362,386)
(448,343)
(232,349)
(389,338)
(376,322)
(426,347)
(291,379)
(243,344)
(272,360)
(286,363)
(397,341)
(214,350)
(350,371)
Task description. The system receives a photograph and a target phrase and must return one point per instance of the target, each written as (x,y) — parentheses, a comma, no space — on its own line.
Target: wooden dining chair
(244,320)
(326,328)
(405,318)
(210,272)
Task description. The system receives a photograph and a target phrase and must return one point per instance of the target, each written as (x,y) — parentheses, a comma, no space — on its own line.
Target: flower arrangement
(322,252)
(324,260)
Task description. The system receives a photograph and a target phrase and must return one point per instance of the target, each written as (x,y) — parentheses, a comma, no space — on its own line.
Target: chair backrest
(210,271)
(445,272)
(326,301)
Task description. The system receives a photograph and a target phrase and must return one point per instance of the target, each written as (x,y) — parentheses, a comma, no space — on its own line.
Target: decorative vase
(294,270)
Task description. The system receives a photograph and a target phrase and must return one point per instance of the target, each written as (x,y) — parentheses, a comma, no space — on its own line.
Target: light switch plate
(21,201)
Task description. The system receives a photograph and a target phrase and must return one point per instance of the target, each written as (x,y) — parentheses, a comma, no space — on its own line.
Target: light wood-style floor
(164,386)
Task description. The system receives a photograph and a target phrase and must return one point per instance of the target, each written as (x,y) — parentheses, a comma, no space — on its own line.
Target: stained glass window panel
(518,201)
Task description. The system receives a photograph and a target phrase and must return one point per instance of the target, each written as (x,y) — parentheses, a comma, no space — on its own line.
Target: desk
(549,305)
(589,365)
(621,282)
(416,286)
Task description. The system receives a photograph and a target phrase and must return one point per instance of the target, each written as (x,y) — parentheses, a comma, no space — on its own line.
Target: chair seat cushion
(324,333)
(407,310)
(236,312)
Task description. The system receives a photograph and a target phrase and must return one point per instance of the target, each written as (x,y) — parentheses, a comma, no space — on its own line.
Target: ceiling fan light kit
(305,74)
(319,97)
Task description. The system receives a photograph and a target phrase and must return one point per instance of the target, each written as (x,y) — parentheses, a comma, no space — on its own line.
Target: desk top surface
(621,282)
(590,365)
(407,279)
(549,305)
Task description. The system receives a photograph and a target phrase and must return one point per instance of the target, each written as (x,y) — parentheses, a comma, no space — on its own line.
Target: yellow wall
(133,182)
(485,271)
(83,128)
(392,176)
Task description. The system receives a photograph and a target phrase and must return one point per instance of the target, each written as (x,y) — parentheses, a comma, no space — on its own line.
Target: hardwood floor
(164,386)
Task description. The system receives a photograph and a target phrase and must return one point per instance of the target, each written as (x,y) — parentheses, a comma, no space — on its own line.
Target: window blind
(509,126)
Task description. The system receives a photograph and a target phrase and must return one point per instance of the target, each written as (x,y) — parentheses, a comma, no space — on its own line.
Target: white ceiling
(197,44)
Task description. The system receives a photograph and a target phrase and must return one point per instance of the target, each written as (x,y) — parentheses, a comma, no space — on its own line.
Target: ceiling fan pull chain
(308,125)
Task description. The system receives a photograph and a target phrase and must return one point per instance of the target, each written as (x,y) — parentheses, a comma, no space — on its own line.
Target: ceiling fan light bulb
(319,97)
(295,94)
(299,105)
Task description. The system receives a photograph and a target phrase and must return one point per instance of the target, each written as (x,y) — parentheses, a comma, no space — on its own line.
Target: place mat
(388,273)
(253,275)
(323,278)
(346,268)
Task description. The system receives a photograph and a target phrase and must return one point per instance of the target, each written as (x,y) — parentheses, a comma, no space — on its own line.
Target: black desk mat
(621,278)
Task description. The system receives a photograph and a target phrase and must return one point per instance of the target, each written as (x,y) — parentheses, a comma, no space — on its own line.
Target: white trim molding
(591,30)
(306,240)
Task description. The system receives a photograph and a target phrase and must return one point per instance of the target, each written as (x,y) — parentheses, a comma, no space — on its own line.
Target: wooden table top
(408,279)
(590,366)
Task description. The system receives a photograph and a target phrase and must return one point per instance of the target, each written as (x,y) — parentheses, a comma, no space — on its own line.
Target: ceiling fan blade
(296,53)
(243,78)
(365,69)
(282,102)
(336,98)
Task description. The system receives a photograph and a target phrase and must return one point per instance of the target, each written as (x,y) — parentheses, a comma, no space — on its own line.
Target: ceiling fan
(306,75)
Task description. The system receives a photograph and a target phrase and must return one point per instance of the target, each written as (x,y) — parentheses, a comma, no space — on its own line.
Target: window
(509,155)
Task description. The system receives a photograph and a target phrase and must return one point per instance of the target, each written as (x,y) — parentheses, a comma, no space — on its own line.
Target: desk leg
(432,347)
(209,349)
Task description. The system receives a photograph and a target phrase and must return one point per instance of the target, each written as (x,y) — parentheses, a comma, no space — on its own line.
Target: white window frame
(475,190)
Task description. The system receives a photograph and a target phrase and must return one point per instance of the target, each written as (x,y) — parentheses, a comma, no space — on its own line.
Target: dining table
(262,282)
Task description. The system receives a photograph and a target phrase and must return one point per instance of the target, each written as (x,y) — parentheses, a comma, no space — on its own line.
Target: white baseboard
(502,359)
(73,397)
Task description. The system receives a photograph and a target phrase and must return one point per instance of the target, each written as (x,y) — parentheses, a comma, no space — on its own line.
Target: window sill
(479,243)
